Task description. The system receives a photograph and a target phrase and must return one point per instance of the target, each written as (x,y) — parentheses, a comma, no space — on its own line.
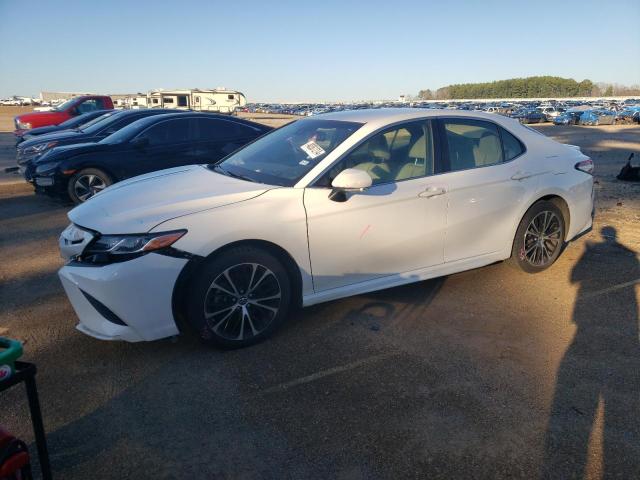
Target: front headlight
(24,126)
(41,147)
(118,248)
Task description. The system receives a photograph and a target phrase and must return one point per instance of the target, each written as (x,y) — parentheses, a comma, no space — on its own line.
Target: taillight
(585,166)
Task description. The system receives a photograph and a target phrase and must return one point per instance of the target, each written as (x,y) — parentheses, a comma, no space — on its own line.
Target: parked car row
(79,162)
(525,111)
(325,207)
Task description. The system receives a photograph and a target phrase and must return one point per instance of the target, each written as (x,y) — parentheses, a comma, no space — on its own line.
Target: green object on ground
(10,351)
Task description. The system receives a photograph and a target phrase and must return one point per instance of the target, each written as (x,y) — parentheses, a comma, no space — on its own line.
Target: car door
(487,179)
(396,226)
(167,144)
(215,138)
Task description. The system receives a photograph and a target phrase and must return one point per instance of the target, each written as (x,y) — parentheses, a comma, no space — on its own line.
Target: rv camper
(219,100)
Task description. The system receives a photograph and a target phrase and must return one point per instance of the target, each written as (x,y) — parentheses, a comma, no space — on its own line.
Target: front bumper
(138,292)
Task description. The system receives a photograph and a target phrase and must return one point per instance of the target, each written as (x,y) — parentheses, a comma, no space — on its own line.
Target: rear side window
(472,144)
(167,132)
(213,129)
(511,145)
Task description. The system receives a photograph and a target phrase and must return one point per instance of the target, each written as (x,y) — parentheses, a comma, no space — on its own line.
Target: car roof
(383,116)
(143,122)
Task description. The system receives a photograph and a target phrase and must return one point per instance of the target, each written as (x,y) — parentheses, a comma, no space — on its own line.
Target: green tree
(543,86)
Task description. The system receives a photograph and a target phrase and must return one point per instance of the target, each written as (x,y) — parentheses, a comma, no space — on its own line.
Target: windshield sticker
(303,162)
(312,149)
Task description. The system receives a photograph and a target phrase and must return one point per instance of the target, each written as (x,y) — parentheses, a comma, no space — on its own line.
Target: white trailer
(219,100)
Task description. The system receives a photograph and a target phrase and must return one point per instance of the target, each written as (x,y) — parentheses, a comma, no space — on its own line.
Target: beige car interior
(396,155)
(472,146)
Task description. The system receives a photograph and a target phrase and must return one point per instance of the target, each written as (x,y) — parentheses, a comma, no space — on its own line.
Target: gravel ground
(489,373)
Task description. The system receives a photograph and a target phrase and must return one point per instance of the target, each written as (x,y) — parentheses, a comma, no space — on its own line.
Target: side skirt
(398,279)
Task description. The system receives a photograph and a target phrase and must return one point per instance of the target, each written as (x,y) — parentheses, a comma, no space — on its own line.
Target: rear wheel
(539,238)
(86,183)
(239,297)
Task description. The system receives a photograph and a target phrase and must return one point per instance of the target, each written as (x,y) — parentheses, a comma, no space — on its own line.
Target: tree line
(530,87)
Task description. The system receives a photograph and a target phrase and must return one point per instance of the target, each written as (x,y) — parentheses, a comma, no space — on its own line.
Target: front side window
(397,154)
(166,132)
(287,154)
(472,144)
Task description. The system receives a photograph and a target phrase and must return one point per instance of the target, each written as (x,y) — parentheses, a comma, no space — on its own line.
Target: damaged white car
(326,207)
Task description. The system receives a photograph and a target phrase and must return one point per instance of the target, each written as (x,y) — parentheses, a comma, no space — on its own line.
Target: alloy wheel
(86,186)
(242,301)
(542,239)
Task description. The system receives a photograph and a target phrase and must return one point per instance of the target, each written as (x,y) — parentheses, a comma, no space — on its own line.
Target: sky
(320,50)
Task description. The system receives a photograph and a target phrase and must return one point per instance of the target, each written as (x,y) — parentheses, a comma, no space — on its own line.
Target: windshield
(98,124)
(284,156)
(64,105)
(98,119)
(125,133)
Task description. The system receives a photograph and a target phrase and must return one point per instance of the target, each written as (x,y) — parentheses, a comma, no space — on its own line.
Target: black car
(71,124)
(529,116)
(163,141)
(97,129)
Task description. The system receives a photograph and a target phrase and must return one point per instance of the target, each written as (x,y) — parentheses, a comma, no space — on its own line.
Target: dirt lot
(489,373)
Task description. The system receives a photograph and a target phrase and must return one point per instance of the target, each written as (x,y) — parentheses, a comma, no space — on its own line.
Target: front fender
(277,216)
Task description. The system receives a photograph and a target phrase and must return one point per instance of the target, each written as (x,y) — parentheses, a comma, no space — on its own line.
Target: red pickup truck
(63,112)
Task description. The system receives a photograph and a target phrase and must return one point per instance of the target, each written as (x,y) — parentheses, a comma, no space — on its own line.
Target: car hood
(60,135)
(66,151)
(140,203)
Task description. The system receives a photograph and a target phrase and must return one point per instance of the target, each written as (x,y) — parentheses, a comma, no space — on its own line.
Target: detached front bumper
(129,301)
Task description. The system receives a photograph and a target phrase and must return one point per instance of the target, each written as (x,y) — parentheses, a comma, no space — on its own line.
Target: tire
(239,297)
(531,254)
(86,183)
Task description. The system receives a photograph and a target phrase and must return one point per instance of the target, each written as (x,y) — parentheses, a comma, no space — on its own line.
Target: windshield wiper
(232,174)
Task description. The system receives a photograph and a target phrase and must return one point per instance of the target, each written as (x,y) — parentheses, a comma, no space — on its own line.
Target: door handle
(433,192)
(521,175)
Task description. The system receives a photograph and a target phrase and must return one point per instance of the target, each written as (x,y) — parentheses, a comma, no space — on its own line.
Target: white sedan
(323,208)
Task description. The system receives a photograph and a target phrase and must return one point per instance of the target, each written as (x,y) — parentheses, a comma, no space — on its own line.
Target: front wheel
(86,183)
(539,238)
(239,297)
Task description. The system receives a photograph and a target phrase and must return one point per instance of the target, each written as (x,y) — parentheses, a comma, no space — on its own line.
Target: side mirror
(349,180)
(140,142)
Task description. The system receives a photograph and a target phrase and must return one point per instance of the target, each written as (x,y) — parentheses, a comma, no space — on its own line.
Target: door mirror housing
(349,180)
(140,142)
(352,180)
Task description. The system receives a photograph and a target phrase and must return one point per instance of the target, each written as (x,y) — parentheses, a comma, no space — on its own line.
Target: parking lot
(490,373)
